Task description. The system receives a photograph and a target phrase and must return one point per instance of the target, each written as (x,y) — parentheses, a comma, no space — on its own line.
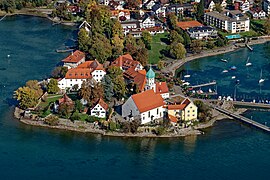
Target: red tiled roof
(74,57)
(84,70)
(147,100)
(173,119)
(117,12)
(176,106)
(186,101)
(161,87)
(188,24)
(65,99)
(138,77)
(103,104)
(125,61)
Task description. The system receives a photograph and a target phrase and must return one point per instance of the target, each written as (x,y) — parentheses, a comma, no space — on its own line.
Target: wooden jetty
(206,84)
(63,50)
(243,119)
(3,17)
(249,47)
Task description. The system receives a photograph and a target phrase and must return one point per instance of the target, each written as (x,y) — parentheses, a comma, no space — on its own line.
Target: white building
(146,106)
(99,109)
(266,6)
(74,59)
(76,76)
(257,14)
(243,5)
(211,6)
(231,21)
(202,32)
(147,22)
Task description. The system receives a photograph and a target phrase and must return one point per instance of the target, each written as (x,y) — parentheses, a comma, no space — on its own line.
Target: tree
(78,106)
(187,40)
(91,93)
(64,110)
(218,7)
(59,72)
(147,39)
(27,97)
(141,55)
(75,116)
(160,64)
(101,48)
(177,50)
(83,40)
(220,42)
(200,11)
(266,26)
(52,86)
(210,44)
(114,71)
(174,37)
(132,4)
(119,86)
(107,88)
(196,46)
(33,84)
(117,46)
(171,21)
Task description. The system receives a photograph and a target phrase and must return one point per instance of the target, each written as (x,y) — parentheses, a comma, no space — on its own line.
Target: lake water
(227,151)
(210,68)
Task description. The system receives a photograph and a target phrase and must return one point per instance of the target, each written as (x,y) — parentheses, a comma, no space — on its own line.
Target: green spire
(150,73)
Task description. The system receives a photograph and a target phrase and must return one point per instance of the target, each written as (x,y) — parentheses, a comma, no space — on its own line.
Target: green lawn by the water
(157,45)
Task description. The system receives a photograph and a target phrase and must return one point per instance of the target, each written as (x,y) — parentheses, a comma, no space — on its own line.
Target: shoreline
(176,64)
(38,12)
(84,127)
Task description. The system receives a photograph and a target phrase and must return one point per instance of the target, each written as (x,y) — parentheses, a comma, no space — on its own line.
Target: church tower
(150,80)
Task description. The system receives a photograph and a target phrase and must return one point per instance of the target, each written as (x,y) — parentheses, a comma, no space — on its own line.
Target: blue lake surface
(229,150)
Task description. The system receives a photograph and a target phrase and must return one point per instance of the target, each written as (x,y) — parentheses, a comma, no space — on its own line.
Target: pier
(249,47)
(203,85)
(3,17)
(243,119)
(63,50)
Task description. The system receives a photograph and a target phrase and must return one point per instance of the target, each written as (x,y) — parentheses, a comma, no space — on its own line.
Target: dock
(249,47)
(205,84)
(3,17)
(243,119)
(63,50)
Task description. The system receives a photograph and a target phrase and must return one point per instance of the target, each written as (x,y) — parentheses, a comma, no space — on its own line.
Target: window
(188,111)
(100,108)
(157,110)
(193,111)
(149,114)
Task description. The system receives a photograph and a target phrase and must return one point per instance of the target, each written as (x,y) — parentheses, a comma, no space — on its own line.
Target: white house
(74,59)
(147,22)
(243,5)
(76,76)
(126,61)
(146,106)
(266,6)
(150,4)
(202,32)
(99,109)
(211,6)
(257,13)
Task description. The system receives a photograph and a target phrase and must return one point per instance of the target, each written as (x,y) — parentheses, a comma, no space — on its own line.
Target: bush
(160,130)
(75,116)
(112,126)
(52,120)
(92,119)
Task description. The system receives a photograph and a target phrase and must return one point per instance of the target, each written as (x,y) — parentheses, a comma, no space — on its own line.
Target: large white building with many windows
(266,6)
(231,21)
(76,76)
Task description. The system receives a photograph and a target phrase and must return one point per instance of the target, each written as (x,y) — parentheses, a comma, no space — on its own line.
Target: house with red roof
(185,111)
(91,70)
(99,109)
(126,61)
(146,106)
(74,59)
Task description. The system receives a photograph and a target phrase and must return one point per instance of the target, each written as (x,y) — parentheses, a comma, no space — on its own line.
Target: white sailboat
(187,75)
(261,79)
(248,63)
(225,71)
(233,77)
(224,60)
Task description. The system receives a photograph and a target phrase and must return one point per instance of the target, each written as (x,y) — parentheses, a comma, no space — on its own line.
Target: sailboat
(248,63)
(224,60)
(187,75)
(261,79)
(225,71)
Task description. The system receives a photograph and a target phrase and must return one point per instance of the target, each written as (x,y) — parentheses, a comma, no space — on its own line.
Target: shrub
(112,126)
(52,120)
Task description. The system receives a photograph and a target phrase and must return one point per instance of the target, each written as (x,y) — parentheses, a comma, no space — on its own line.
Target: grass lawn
(156,46)
(49,100)
(257,25)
